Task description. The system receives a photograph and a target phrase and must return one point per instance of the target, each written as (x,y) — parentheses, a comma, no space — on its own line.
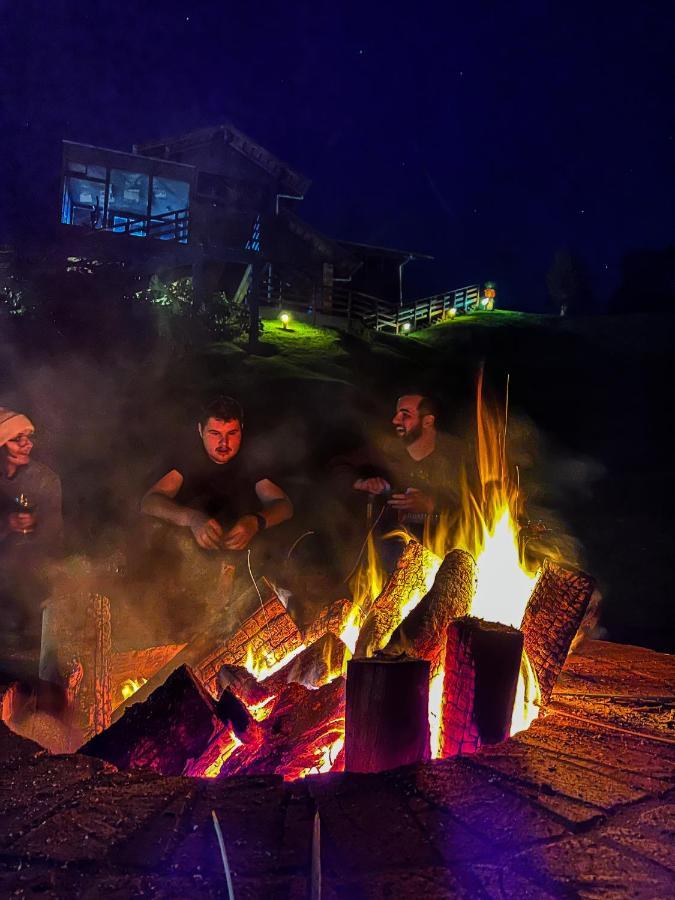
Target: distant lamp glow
(452,312)
(484,302)
(285,319)
(406,327)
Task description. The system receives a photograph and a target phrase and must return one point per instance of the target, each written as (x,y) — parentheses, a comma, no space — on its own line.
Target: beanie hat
(11,424)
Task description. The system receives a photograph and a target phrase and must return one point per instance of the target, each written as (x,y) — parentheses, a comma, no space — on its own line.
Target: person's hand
(21,522)
(371,485)
(207,532)
(412,501)
(239,536)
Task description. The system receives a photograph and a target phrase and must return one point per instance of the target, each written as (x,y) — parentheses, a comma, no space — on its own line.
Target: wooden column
(387,721)
(482,662)
(76,659)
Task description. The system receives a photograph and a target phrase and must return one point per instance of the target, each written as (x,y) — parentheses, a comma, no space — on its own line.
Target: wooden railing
(169,226)
(343,302)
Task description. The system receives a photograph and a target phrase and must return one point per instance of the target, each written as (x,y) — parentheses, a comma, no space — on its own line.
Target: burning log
(207,653)
(482,662)
(553,615)
(422,633)
(332,618)
(243,685)
(387,722)
(176,724)
(269,634)
(303,735)
(138,666)
(408,580)
(76,658)
(314,667)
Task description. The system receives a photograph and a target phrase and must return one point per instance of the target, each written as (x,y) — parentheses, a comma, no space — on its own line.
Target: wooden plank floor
(580,805)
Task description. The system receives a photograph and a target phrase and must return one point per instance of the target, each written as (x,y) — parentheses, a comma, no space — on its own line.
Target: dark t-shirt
(223,492)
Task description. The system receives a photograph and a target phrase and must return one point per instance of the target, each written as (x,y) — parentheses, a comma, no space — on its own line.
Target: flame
(369,578)
(528,697)
(266,664)
(131,685)
(350,631)
(326,757)
(261,710)
(229,743)
(436,712)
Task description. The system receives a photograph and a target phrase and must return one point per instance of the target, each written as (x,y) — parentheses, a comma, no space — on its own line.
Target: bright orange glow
(350,632)
(131,685)
(261,710)
(436,712)
(367,582)
(228,745)
(265,664)
(528,697)
(325,758)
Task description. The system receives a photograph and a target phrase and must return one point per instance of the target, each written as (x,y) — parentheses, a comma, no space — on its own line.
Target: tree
(568,283)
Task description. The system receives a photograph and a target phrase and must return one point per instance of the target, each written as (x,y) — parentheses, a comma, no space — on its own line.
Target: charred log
(332,618)
(553,615)
(482,662)
(422,633)
(303,734)
(174,725)
(408,578)
(387,723)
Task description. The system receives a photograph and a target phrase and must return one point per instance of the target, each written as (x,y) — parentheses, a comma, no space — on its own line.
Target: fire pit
(459,648)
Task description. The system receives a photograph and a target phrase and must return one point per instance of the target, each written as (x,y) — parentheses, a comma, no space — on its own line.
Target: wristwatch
(261,520)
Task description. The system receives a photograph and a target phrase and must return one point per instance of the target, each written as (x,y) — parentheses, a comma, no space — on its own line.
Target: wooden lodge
(215,205)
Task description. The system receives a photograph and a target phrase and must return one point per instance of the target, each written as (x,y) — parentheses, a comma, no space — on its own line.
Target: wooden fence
(372,312)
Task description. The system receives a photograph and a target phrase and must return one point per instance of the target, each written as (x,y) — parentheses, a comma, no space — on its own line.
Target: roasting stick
(315,893)
(223,854)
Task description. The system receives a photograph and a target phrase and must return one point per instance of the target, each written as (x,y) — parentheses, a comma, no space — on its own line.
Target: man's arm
(276,508)
(159,502)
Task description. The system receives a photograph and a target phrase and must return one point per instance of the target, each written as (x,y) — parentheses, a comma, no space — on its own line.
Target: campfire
(459,648)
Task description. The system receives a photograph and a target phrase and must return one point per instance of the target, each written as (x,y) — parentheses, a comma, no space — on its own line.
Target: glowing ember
(131,685)
(261,710)
(326,757)
(266,664)
(227,746)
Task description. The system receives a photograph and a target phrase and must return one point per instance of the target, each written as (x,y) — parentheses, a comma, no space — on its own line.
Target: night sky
(486,134)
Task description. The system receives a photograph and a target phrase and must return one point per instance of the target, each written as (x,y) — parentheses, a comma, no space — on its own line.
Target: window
(128,192)
(83,202)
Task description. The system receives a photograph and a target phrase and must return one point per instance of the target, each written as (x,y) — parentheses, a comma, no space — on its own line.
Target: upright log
(422,633)
(76,658)
(481,666)
(408,578)
(387,715)
(553,615)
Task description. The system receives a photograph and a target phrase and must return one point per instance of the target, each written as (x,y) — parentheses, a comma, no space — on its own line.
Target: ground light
(452,312)
(406,327)
(285,319)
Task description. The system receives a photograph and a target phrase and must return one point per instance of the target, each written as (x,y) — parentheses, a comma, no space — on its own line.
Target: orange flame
(488,529)
(262,665)
(131,685)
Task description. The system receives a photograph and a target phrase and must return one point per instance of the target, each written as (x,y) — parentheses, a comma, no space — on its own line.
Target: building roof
(289,179)
(372,250)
